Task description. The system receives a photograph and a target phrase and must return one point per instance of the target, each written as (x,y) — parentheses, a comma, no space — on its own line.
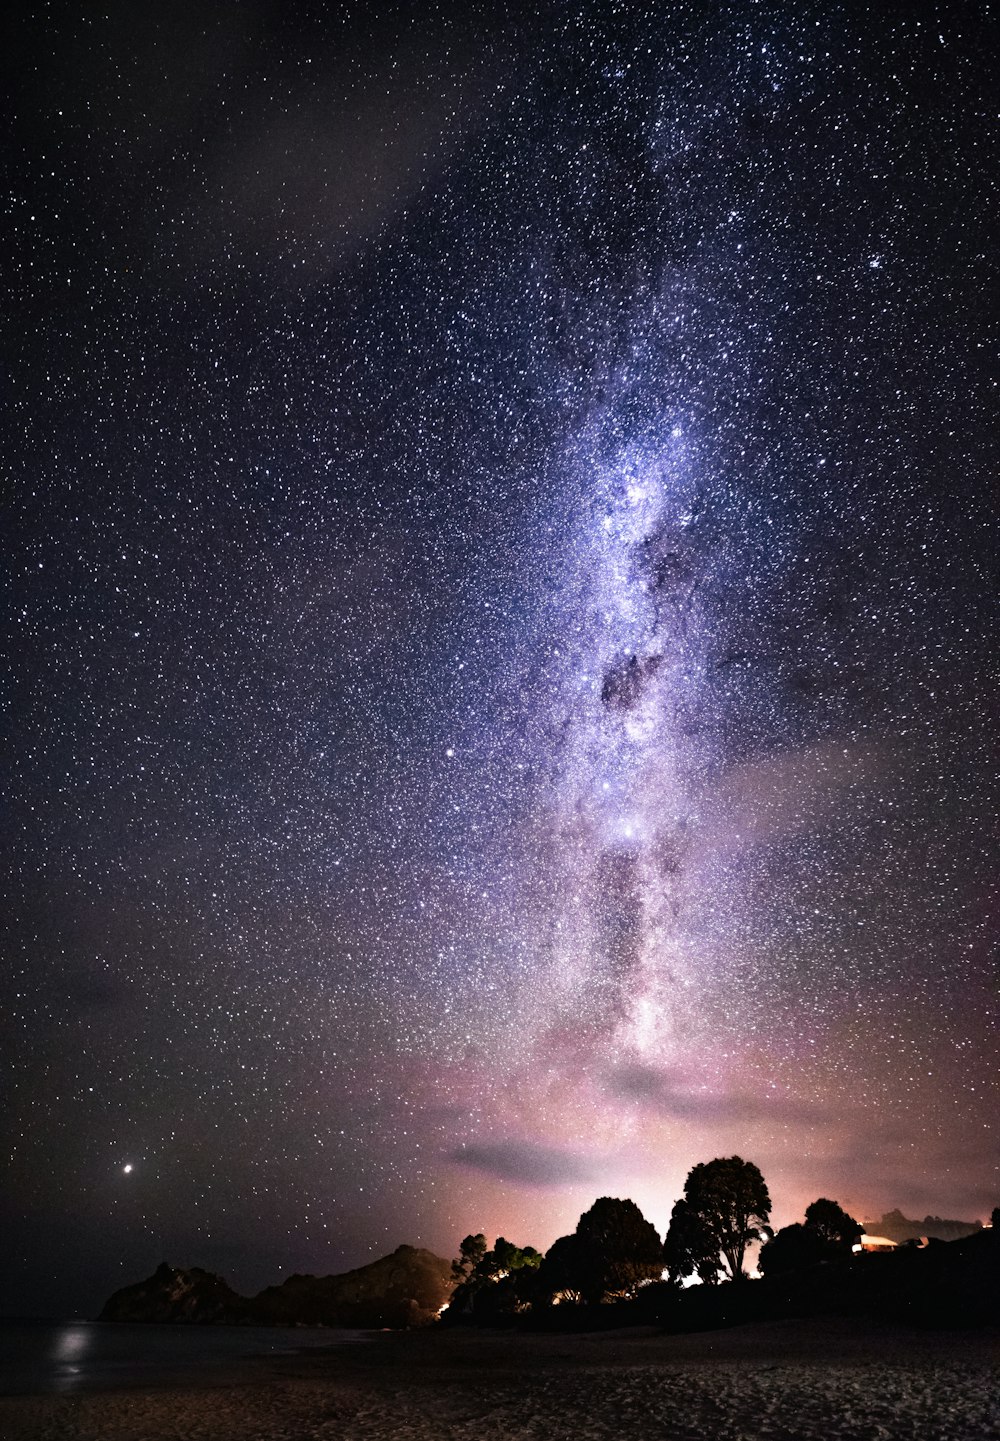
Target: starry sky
(501,587)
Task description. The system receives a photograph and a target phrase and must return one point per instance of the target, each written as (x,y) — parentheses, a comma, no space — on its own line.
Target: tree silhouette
(728,1202)
(793,1249)
(690,1247)
(480,1273)
(470,1253)
(828,1234)
(616,1250)
(831,1222)
(560,1271)
(506,1258)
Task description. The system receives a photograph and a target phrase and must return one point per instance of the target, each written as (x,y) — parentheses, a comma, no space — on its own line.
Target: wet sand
(785,1381)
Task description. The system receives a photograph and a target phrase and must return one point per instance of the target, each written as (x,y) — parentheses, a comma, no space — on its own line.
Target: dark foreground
(787,1381)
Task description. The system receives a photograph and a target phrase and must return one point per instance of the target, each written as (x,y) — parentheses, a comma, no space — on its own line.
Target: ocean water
(100,1355)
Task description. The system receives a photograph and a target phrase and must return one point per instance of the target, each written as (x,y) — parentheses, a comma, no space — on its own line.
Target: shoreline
(788,1380)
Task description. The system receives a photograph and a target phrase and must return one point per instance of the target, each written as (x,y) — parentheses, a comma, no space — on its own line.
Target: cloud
(326,168)
(780,795)
(526,1162)
(664,1091)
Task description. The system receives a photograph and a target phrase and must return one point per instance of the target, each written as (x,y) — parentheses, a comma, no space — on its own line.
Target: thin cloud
(663,1091)
(778,796)
(525,1162)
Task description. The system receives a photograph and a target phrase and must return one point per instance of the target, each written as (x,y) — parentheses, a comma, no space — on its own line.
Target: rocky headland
(407,1288)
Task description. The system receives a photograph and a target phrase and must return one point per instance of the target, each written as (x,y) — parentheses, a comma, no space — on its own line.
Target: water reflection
(77,1356)
(69,1349)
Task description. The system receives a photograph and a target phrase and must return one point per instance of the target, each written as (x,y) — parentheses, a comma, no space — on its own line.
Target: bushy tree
(470,1253)
(832,1223)
(505,1258)
(727,1204)
(616,1250)
(560,1271)
(690,1247)
(828,1234)
(480,1273)
(793,1248)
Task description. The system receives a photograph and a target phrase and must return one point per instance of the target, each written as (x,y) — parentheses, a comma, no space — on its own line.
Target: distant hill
(407,1288)
(897,1227)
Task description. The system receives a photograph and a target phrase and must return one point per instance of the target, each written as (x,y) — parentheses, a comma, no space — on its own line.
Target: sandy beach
(783,1380)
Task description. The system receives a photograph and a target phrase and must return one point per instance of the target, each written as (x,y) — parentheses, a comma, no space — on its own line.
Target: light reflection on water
(87,1355)
(68,1351)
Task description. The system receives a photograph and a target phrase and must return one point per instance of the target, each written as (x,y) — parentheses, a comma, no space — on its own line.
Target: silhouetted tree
(690,1247)
(560,1271)
(730,1200)
(832,1223)
(479,1272)
(511,1282)
(793,1249)
(617,1250)
(828,1234)
(506,1258)
(995,1222)
(470,1253)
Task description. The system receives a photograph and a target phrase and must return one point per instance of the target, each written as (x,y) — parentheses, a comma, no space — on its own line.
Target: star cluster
(503,623)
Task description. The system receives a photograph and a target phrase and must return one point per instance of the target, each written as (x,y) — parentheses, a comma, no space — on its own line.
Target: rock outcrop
(171,1294)
(407,1288)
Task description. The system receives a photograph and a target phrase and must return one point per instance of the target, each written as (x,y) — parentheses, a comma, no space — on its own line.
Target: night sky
(501,578)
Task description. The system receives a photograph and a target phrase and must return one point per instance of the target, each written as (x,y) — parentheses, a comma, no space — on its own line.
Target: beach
(782,1381)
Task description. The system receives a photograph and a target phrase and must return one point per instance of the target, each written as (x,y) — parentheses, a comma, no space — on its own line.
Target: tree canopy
(793,1248)
(491,1276)
(828,1234)
(561,1270)
(831,1222)
(470,1253)
(690,1247)
(616,1250)
(726,1202)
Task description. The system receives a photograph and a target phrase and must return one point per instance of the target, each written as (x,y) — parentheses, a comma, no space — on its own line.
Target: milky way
(504,625)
